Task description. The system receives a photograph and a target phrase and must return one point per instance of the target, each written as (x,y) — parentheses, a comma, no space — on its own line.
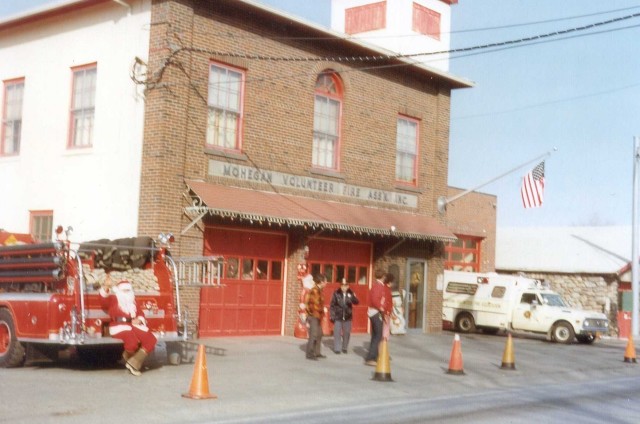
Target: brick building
(260,143)
(277,144)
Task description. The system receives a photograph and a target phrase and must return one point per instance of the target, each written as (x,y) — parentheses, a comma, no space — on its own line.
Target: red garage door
(343,259)
(250,299)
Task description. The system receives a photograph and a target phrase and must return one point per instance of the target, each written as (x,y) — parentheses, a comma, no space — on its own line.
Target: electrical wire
(416,34)
(374,58)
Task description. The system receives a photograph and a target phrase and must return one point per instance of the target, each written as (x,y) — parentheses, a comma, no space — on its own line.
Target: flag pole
(634,246)
(443,201)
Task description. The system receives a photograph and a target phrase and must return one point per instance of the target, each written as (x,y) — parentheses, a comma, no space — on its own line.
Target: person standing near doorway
(341,313)
(315,312)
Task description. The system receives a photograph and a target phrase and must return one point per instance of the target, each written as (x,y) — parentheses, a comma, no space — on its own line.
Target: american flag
(532,189)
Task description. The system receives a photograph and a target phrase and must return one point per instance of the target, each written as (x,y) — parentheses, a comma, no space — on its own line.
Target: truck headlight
(586,323)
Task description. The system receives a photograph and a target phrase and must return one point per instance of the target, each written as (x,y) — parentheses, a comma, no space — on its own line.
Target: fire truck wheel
(465,323)
(563,333)
(11,351)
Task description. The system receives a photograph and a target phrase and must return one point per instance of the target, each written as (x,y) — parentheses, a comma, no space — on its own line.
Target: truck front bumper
(594,326)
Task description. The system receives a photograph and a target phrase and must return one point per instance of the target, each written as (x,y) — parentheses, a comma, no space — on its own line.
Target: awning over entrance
(286,209)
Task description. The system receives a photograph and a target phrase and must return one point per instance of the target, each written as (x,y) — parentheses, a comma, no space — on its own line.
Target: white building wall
(398,36)
(95,190)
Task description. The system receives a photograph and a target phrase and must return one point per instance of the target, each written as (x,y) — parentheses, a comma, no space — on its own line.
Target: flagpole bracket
(442,204)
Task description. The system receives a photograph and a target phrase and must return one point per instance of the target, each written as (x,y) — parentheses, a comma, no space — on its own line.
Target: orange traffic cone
(508,361)
(200,382)
(630,352)
(455,363)
(383,370)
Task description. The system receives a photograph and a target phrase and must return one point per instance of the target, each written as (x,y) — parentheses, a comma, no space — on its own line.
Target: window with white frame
(41,225)
(326,121)
(225,107)
(406,150)
(83,106)
(12,117)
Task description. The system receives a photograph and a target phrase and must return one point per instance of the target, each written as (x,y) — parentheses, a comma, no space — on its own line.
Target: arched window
(326,121)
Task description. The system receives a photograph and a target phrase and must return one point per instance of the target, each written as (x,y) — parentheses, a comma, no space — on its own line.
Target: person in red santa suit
(127,323)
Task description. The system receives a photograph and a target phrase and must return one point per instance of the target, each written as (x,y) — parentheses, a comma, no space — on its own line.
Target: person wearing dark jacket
(341,313)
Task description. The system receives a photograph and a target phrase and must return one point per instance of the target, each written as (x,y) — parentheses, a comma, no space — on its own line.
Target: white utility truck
(492,302)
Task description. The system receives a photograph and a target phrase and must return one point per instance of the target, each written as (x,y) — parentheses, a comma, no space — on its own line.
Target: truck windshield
(552,299)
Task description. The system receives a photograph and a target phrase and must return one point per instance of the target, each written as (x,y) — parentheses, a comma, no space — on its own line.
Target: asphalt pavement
(267,379)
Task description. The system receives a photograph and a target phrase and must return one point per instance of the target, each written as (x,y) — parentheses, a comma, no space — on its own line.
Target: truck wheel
(465,323)
(586,339)
(562,332)
(11,351)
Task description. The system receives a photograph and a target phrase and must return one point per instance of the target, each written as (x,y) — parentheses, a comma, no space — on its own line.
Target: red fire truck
(49,300)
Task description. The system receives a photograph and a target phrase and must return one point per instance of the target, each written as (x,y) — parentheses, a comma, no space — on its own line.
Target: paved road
(267,379)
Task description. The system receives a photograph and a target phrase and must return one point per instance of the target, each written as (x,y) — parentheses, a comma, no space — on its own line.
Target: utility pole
(635,246)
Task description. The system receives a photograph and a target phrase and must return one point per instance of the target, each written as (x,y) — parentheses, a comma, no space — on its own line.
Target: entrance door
(338,259)
(415,294)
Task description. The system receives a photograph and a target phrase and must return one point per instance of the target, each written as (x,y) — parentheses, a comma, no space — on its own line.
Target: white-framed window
(83,102)
(12,117)
(226,88)
(41,225)
(407,150)
(326,121)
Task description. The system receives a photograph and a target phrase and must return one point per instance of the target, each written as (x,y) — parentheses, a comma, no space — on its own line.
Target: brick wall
(278,118)
(474,214)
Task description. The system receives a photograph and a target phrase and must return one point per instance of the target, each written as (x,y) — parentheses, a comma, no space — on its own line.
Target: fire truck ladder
(194,271)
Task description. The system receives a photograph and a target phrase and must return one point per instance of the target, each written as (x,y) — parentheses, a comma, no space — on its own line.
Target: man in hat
(127,323)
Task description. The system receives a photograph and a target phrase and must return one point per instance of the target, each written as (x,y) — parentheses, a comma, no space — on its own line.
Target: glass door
(414,293)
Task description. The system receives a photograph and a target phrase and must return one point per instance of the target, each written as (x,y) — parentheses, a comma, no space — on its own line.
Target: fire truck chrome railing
(199,270)
(174,277)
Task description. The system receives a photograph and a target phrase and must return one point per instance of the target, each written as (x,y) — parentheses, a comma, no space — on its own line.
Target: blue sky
(580,94)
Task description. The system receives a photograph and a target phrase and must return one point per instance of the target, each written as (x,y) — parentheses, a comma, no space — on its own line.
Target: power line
(550,102)
(375,37)
(544,21)
(374,58)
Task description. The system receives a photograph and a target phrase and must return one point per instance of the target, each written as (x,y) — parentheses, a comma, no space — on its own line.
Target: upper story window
(326,121)
(426,21)
(12,117)
(364,18)
(41,225)
(407,150)
(83,106)
(226,86)
(463,254)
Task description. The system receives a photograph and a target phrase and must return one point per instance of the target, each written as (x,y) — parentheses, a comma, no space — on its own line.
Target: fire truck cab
(49,300)
(493,302)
